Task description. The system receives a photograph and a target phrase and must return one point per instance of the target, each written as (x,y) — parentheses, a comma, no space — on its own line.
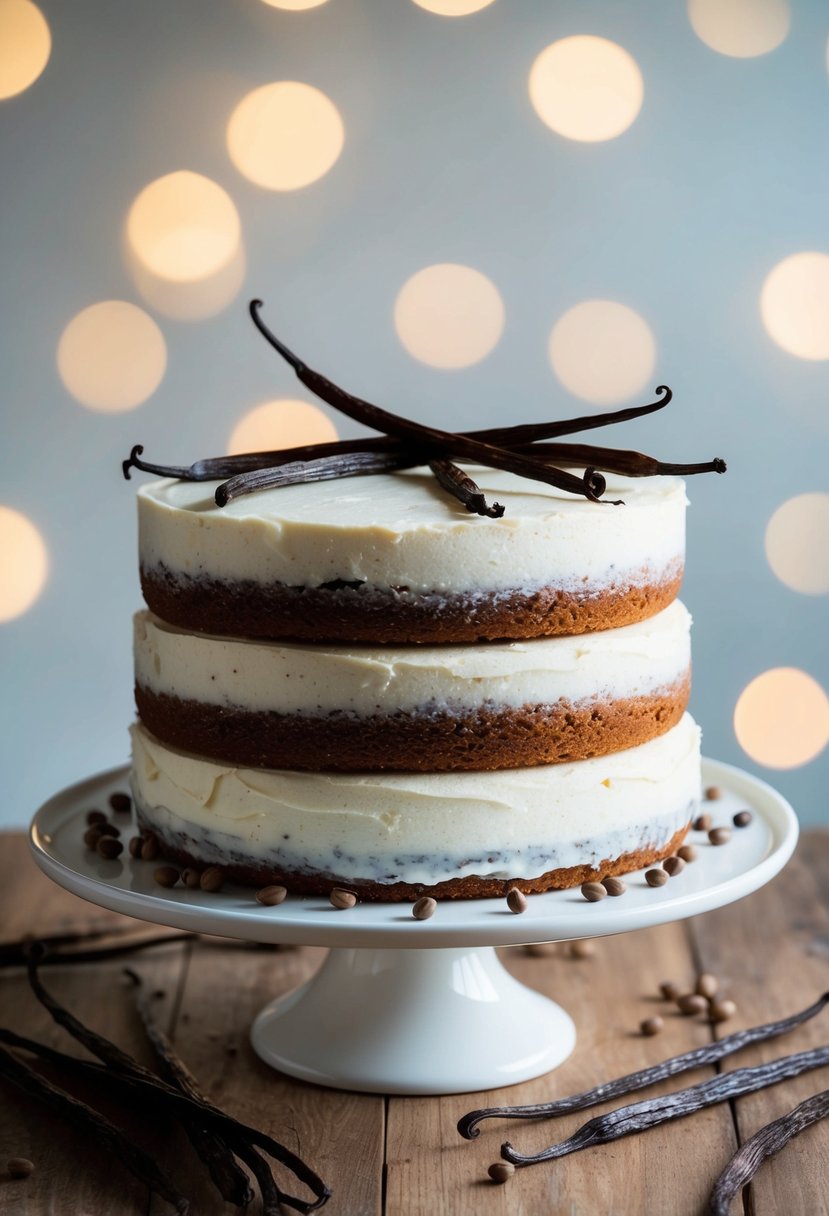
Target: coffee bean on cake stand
(120,802)
(687,852)
(166,876)
(109,847)
(93,817)
(516,901)
(341,899)
(271,896)
(212,879)
(656,878)
(719,836)
(673,865)
(713,793)
(742,819)
(593,892)
(425,907)
(702,823)
(614,886)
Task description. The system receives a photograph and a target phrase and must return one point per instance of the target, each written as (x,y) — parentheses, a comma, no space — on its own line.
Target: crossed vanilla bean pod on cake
(427,678)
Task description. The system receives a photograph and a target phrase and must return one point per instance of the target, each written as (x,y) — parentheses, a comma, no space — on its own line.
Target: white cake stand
(418,1007)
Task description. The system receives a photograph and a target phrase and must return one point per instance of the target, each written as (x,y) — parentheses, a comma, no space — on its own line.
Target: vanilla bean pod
(697,1058)
(765,1143)
(231,1182)
(324,468)
(617,460)
(105,1134)
(652,1112)
(171,1102)
(128,1071)
(463,488)
(16,954)
(592,485)
(216,467)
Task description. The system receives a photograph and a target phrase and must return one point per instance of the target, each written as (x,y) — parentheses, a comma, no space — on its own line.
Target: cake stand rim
(312,921)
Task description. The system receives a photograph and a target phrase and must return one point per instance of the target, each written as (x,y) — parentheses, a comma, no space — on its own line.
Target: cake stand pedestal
(419,1007)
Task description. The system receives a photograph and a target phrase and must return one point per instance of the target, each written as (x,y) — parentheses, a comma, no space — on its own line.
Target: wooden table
(403,1156)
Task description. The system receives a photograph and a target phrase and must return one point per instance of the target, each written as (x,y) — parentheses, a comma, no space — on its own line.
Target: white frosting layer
(289,678)
(401,530)
(427,827)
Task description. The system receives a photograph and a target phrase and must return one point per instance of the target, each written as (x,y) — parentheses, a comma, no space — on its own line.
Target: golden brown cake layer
(480,739)
(343,612)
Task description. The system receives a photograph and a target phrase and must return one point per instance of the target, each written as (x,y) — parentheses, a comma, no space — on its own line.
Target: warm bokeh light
(294,6)
(794,305)
(782,718)
(25,564)
(449,316)
(183,227)
(284,136)
(586,88)
(797,543)
(25,45)
(453,8)
(112,356)
(740,28)
(602,351)
(286,423)
(190,301)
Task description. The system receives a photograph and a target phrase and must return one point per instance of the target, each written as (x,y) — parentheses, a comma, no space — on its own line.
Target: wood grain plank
(339,1134)
(771,953)
(70,1174)
(430,1168)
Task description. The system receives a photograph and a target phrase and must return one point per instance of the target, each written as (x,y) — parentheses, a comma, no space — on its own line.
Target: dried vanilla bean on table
(653,1112)
(765,1143)
(468,1125)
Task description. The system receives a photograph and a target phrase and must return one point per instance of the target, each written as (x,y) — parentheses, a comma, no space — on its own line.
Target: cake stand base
(413,1022)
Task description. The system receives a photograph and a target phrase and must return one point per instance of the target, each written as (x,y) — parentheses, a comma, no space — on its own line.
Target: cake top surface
(410,500)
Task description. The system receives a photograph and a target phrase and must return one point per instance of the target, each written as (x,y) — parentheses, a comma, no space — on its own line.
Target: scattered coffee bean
(270,896)
(687,852)
(107,829)
(742,819)
(673,865)
(691,1003)
(92,835)
(707,985)
(702,823)
(120,802)
(593,891)
(342,899)
(540,949)
(166,876)
(109,847)
(191,878)
(670,991)
(614,886)
(134,846)
(583,947)
(501,1171)
(95,817)
(656,878)
(22,1167)
(149,848)
(651,1026)
(516,900)
(719,835)
(425,907)
(212,879)
(713,793)
(722,1010)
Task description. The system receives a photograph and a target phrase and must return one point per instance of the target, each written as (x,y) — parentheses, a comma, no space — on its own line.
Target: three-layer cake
(357,683)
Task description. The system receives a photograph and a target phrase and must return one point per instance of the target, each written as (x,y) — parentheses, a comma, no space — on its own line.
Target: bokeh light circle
(449,316)
(294,6)
(183,227)
(797,543)
(285,135)
(794,305)
(453,8)
(586,88)
(602,351)
(25,46)
(782,718)
(740,28)
(111,356)
(286,423)
(25,564)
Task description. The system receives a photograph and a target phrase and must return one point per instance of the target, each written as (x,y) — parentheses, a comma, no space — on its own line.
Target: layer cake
(358,683)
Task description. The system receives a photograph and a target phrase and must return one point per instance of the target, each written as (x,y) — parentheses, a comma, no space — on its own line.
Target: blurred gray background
(722,175)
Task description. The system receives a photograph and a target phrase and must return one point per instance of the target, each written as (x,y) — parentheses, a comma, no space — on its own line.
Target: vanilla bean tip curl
(132,460)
